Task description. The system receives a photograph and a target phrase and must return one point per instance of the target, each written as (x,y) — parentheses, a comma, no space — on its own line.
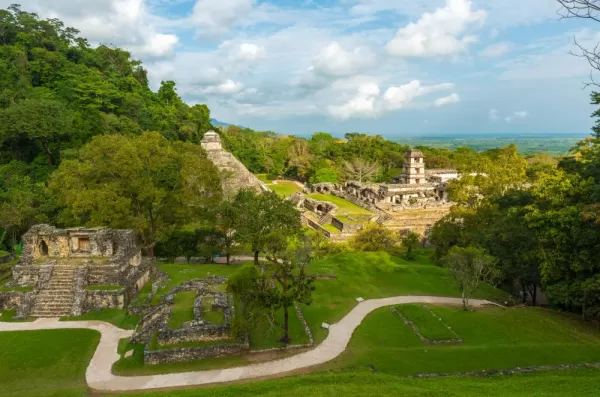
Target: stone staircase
(56,298)
(325,219)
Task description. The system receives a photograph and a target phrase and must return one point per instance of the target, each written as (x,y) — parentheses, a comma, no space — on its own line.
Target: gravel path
(99,376)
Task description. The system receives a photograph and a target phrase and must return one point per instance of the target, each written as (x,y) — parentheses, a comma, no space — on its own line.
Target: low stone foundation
(153,357)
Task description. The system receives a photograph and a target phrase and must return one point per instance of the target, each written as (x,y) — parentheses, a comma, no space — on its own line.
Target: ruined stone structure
(234,175)
(414,202)
(72,271)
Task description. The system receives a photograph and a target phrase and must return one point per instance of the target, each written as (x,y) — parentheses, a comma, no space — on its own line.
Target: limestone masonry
(72,271)
(414,203)
(234,175)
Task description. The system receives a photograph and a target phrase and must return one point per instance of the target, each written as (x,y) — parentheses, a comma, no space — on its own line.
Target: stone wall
(345,227)
(21,301)
(96,300)
(154,319)
(190,354)
(209,332)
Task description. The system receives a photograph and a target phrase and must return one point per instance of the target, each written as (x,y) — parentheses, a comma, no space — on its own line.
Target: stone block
(325,326)
(360,300)
(128,354)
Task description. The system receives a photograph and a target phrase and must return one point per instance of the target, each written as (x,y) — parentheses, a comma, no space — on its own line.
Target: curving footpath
(99,376)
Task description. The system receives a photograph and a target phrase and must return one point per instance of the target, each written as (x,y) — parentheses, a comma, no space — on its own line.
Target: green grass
(580,383)
(45,363)
(348,220)
(210,315)
(494,338)
(15,289)
(183,309)
(376,275)
(117,317)
(104,287)
(428,326)
(265,336)
(285,188)
(332,229)
(4,253)
(8,316)
(343,205)
(178,273)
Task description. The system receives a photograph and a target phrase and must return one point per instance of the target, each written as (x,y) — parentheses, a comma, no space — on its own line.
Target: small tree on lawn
(470,267)
(410,242)
(260,215)
(286,280)
(374,238)
(227,220)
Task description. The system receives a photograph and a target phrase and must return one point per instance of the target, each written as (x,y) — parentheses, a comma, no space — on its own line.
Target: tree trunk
(49,155)
(228,258)
(150,250)
(465,301)
(524,289)
(534,295)
(256,262)
(286,326)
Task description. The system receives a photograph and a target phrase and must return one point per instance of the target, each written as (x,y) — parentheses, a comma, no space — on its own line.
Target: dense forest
(85,141)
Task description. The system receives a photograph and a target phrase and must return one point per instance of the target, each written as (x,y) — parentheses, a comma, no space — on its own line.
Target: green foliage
(145,183)
(262,216)
(410,242)
(325,175)
(374,238)
(470,267)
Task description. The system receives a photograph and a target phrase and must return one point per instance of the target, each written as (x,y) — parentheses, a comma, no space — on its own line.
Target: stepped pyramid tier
(59,266)
(234,175)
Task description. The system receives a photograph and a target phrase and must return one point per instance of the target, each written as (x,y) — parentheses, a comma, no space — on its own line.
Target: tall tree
(146,183)
(262,215)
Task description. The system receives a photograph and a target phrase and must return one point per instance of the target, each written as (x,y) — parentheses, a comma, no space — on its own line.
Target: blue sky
(391,67)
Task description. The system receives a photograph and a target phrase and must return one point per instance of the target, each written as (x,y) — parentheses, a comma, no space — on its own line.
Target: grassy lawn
(376,275)
(45,363)
(429,326)
(494,338)
(580,383)
(117,317)
(285,188)
(183,309)
(15,289)
(332,229)
(210,315)
(265,336)
(343,205)
(8,316)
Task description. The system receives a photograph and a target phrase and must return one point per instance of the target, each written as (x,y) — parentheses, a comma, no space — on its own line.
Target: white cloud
(334,61)
(124,23)
(399,97)
(215,17)
(368,102)
(362,105)
(438,33)
(493,115)
(447,100)
(496,50)
(248,52)
(516,116)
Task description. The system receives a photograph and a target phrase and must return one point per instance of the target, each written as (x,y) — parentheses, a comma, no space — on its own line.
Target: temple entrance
(43,248)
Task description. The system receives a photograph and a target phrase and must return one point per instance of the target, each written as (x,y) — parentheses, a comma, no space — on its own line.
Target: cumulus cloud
(399,97)
(334,61)
(438,33)
(125,23)
(227,87)
(362,105)
(248,52)
(496,50)
(447,100)
(368,101)
(215,17)
(516,115)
